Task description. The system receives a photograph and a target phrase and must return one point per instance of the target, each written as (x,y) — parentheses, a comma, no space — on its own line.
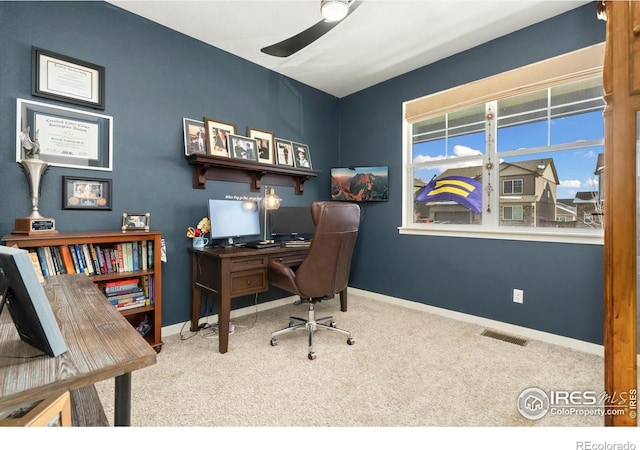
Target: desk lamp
(270,202)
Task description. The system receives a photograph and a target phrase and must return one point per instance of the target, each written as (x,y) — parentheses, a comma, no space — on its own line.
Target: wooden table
(233,272)
(101,344)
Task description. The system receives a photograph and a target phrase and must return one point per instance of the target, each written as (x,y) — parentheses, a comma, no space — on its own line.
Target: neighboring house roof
(586,197)
(537,166)
(565,209)
(599,164)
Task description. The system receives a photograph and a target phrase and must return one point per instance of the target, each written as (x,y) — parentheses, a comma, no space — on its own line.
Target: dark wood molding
(241,171)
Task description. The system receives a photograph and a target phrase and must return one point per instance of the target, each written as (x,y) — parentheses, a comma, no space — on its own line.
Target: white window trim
(572,66)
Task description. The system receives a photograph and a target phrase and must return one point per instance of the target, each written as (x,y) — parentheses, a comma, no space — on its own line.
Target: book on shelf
(67,259)
(43,261)
(125,298)
(119,259)
(144,263)
(78,252)
(74,258)
(33,254)
(94,259)
(135,257)
(121,286)
(130,293)
(150,251)
(57,260)
(131,305)
(87,259)
(50,267)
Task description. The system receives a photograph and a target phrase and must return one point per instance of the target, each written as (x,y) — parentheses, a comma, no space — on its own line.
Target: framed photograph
(86,193)
(242,147)
(50,412)
(195,139)
(67,79)
(135,221)
(64,137)
(217,136)
(284,152)
(265,142)
(301,156)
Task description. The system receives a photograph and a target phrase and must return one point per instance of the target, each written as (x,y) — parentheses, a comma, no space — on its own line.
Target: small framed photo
(242,147)
(301,156)
(135,221)
(50,412)
(71,80)
(86,193)
(284,152)
(217,136)
(195,139)
(265,142)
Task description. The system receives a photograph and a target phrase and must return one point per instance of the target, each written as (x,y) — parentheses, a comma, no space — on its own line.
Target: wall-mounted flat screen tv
(360,184)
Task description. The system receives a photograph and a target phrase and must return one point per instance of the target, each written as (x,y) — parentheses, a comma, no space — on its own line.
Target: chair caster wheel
(351,341)
(292,323)
(332,324)
(274,342)
(311,355)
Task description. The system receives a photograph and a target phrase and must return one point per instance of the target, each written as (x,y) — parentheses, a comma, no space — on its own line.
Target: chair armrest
(282,276)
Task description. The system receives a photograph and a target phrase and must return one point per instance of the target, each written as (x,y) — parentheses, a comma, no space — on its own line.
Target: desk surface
(101,344)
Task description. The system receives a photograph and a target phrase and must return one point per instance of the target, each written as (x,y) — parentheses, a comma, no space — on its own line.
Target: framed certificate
(65,137)
(71,80)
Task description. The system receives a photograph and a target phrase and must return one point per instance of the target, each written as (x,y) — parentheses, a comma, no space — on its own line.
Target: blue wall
(155,77)
(562,283)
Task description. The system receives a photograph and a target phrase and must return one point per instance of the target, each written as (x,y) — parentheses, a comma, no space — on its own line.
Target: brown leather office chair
(325,270)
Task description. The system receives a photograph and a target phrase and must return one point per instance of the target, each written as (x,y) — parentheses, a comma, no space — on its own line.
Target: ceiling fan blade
(296,43)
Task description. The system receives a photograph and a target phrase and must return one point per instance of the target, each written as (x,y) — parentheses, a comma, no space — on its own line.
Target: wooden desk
(101,344)
(234,272)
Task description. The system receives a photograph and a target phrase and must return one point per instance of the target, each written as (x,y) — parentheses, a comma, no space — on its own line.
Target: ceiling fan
(333,11)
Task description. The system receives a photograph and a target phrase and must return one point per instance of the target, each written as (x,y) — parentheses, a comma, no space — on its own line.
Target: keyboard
(297,243)
(262,244)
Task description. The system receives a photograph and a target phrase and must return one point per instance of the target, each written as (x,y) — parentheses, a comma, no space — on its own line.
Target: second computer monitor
(290,222)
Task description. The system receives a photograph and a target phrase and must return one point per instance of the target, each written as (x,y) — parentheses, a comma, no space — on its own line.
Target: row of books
(130,293)
(93,259)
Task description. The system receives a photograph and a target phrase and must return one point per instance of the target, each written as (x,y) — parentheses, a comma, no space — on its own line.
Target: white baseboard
(530,333)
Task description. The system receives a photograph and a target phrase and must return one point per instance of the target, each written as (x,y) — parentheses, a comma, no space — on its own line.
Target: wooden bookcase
(109,239)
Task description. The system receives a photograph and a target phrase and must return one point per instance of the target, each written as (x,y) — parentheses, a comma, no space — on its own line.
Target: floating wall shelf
(241,171)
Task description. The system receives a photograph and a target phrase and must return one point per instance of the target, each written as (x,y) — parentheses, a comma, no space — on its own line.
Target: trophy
(34,169)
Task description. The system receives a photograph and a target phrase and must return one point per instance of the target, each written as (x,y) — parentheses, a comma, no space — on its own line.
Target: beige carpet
(407,369)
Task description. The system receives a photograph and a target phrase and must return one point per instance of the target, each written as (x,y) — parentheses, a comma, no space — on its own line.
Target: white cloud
(592,182)
(570,183)
(461,150)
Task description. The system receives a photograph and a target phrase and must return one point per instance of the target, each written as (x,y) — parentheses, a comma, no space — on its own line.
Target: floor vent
(505,337)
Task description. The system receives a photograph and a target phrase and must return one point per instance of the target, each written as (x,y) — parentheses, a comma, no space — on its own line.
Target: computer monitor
(292,221)
(27,302)
(234,218)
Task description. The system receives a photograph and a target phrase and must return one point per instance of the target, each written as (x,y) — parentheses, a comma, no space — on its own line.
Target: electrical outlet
(518,296)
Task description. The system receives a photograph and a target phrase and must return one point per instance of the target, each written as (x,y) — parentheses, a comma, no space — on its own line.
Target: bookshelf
(121,273)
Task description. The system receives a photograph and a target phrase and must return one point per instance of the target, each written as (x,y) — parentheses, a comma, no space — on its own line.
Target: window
(512,212)
(525,161)
(512,186)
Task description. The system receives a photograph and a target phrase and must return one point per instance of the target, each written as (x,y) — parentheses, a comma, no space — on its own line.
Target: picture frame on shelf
(66,137)
(86,193)
(195,139)
(265,143)
(217,134)
(135,221)
(284,152)
(242,147)
(50,412)
(59,77)
(301,156)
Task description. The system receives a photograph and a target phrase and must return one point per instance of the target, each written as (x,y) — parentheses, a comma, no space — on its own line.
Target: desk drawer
(248,282)
(249,263)
(290,259)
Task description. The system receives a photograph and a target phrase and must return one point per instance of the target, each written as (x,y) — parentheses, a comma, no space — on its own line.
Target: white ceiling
(378,41)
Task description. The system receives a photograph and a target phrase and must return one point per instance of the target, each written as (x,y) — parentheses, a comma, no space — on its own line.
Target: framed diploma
(59,77)
(65,137)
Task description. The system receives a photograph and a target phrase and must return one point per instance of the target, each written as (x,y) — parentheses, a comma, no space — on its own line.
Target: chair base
(311,325)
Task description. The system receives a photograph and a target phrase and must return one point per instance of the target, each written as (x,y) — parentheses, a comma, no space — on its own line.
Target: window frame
(573,66)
